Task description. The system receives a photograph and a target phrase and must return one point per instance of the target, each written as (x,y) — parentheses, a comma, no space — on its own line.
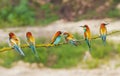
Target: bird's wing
(57,40)
(31,40)
(17,40)
(12,42)
(54,38)
(87,35)
(103,31)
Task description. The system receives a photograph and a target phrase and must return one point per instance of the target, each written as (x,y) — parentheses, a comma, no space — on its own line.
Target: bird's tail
(19,50)
(88,43)
(73,42)
(104,39)
(34,50)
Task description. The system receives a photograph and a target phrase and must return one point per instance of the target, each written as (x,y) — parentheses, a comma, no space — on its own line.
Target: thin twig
(51,45)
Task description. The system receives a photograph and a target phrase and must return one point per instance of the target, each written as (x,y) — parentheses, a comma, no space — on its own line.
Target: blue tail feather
(19,50)
(34,50)
(104,39)
(88,43)
(73,42)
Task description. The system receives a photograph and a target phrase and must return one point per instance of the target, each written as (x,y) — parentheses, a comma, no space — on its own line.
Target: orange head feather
(28,34)
(65,33)
(86,27)
(14,37)
(87,33)
(103,29)
(68,34)
(11,34)
(103,25)
(58,33)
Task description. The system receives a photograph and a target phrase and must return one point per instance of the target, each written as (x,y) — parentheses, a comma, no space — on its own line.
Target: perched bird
(69,38)
(31,42)
(87,35)
(56,38)
(14,42)
(103,32)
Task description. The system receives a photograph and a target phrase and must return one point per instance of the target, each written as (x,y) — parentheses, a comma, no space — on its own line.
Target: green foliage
(67,57)
(21,14)
(30,13)
(116,1)
(92,64)
(89,15)
(118,51)
(114,13)
(49,15)
(100,51)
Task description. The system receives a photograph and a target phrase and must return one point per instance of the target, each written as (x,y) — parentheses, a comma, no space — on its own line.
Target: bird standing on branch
(87,35)
(56,38)
(69,38)
(103,32)
(14,42)
(31,42)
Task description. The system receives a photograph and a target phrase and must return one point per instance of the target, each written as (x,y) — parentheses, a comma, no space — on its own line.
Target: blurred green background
(42,12)
(17,13)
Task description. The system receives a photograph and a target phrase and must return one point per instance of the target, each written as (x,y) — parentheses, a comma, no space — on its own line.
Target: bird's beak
(81,26)
(106,23)
(62,32)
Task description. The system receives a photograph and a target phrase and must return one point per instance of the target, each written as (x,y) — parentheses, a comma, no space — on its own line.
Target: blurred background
(43,18)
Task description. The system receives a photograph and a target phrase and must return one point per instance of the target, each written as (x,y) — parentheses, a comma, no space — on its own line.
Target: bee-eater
(87,35)
(69,38)
(31,42)
(56,38)
(14,42)
(103,32)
